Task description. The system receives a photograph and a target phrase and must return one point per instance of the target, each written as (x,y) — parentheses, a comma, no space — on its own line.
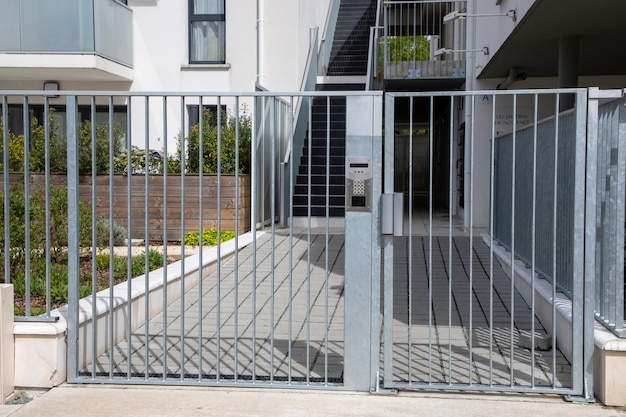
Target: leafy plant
(209,237)
(103,233)
(190,146)
(57,147)
(155,261)
(407,48)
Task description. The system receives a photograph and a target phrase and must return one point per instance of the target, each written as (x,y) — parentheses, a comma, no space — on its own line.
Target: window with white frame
(207,32)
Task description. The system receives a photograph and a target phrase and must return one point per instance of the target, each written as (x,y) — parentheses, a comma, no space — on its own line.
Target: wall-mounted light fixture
(51,86)
(452,16)
(444,51)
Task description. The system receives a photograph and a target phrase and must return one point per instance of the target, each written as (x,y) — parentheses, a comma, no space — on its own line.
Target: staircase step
(321,142)
(318,211)
(321,160)
(334,190)
(322,151)
(321,170)
(318,200)
(320,180)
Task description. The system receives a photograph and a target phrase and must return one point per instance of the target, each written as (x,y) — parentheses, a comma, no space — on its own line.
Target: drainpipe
(568,69)
(260,42)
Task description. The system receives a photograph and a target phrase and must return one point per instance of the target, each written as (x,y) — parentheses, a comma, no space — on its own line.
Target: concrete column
(568,68)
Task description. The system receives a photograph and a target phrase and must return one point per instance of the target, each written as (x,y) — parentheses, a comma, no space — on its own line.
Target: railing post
(584,253)
(72,239)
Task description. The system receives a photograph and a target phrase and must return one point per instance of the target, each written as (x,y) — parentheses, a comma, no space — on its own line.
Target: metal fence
(606,162)
(534,182)
(543,200)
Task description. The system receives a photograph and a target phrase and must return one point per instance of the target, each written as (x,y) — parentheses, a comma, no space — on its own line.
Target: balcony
(66,40)
(413,32)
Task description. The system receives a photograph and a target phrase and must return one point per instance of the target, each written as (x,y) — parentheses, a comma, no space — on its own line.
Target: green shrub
(228,149)
(103,233)
(155,261)
(209,237)
(57,147)
(406,48)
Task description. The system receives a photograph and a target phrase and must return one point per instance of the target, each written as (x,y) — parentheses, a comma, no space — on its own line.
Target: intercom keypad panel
(358,184)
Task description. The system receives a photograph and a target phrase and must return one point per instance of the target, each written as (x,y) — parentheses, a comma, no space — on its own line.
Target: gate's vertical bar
(146,232)
(27,248)
(533,246)
(583,289)
(94,286)
(128,237)
(326,242)
(450,286)
(430,236)
(291,192)
(308,259)
(554,232)
(388,241)
(165,219)
(450,205)
(72,239)
(200,229)
(273,231)
(236,271)
(111,244)
(5,184)
(183,164)
(410,243)
(47,197)
(255,195)
(512,295)
(471,246)
(492,196)
(218,336)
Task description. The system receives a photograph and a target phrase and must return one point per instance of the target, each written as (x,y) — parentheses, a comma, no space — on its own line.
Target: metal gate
(502,299)
(274,306)
(467,305)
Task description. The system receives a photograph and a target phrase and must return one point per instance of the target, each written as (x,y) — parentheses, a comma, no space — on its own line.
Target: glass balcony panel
(9,25)
(56,26)
(113,31)
(103,27)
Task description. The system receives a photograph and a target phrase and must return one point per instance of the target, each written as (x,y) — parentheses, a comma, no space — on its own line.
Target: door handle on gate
(392,214)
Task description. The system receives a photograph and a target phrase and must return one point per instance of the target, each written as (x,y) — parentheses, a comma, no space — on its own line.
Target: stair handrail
(307,83)
(328,33)
(372,53)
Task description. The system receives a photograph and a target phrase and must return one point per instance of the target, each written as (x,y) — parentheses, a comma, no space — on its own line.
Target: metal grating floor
(440,340)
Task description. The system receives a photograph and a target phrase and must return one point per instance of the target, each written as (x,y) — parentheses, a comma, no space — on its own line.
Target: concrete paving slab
(139,401)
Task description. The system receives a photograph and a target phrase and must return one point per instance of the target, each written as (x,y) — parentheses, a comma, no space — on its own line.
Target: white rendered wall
(287,39)
(490,32)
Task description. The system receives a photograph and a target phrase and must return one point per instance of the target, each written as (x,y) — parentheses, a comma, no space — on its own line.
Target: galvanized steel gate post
(363,248)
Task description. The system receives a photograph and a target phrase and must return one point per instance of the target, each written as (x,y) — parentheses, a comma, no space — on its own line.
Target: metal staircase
(326,153)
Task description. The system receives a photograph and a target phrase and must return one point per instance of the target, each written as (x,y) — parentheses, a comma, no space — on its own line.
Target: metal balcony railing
(417,43)
(102,27)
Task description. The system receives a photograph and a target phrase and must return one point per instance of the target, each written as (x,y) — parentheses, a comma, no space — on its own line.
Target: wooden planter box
(156,209)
